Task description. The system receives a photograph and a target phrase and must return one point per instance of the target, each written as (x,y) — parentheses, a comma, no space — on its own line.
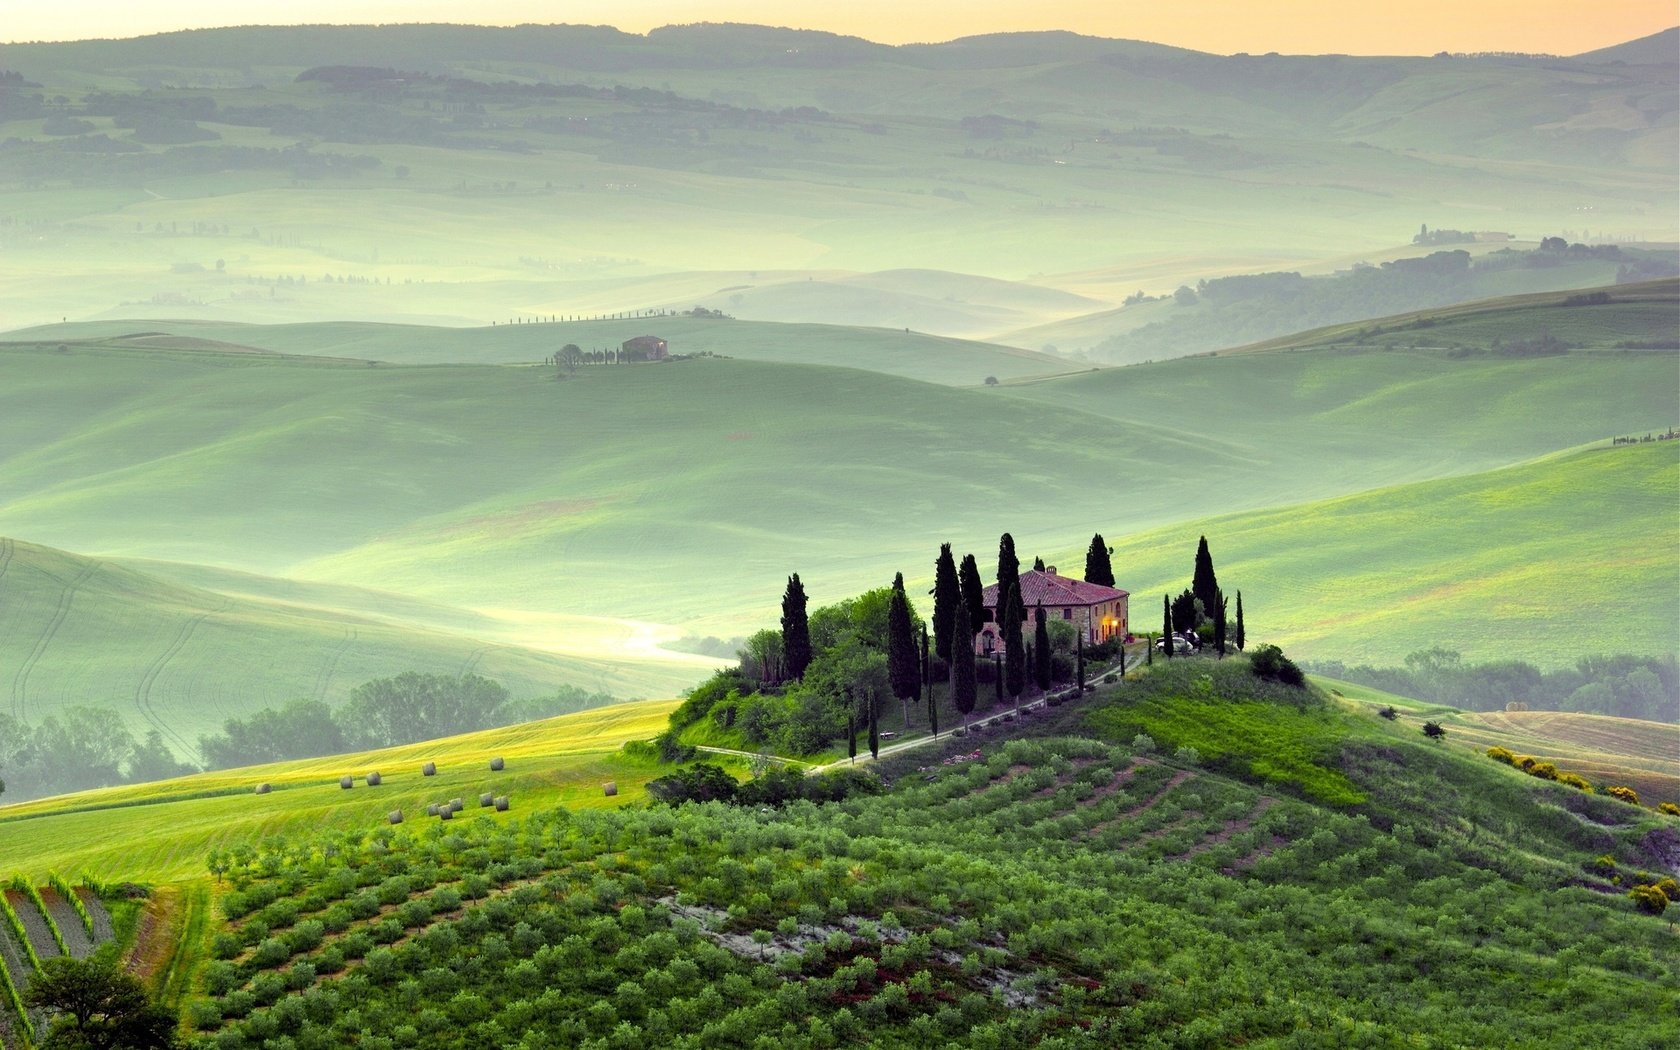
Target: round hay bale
(486,800)
(456,805)
(501,804)
(395,817)
(610,788)
(446,813)
(263,789)
(346,783)
(496,764)
(432,809)
(373,780)
(429,769)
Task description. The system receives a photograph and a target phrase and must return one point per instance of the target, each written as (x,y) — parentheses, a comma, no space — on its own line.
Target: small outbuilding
(644,348)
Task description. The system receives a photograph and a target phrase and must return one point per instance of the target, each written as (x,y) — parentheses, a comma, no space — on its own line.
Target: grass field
(161,832)
(1543,562)
(933,359)
(182,659)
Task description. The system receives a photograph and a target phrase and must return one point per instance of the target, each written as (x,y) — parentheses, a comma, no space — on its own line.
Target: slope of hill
(1089,885)
(160,832)
(1546,562)
(181,659)
(933,359)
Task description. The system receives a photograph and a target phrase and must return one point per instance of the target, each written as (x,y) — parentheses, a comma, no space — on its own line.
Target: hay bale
(456,805)
(610,788)
(432,809)
(446,813)
(263,789)
(496,764)
(345,783)
(373,780)
(395,817)
(486,800)
(501,804)
(429,769)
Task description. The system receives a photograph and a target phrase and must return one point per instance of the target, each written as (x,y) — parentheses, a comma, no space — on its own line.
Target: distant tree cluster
(79,748)
(1624,685)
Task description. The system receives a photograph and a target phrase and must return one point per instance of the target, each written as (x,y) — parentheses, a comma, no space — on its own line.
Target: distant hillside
(181,659)
(1545,562)
(1658,49)
(933,359)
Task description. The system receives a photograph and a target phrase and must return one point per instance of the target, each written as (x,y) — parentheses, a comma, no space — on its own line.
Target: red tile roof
(1047,589)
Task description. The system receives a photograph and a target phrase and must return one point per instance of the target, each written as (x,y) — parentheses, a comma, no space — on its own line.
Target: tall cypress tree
(962,667)
(947,594)
(902,671)
(1240,638)
(1041,650)
(973,598)
(796,629)
(1098,568)
(1205,585)
(1219,628)
(851,729)
(1008,568)
(1166,626)
(1014,643)
(874,722)
(927,687)
(1038,564)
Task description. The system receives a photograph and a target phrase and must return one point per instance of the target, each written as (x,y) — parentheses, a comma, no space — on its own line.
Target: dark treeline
(90,747)
(1645,687)
(382,713)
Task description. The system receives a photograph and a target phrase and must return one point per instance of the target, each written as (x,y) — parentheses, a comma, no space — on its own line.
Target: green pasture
(1544,562)
(161,832)
(183,659)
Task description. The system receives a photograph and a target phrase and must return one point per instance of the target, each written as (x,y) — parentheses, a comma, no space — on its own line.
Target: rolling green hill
(1545,562)
(933,359)
(182,659)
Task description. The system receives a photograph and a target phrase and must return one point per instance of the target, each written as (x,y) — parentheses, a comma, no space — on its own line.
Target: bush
(1268,661)
(1391,714)
(1434,731)
(1670,808)
(1623,794)
(1649,898)
(1669,887)
(1575,781)
(703,782)
(1143,743)
(1499,754)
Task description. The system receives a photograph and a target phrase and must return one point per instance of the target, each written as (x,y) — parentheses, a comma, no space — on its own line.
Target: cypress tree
(932,704)
(1205,585)
(902,671)
(796,629)
(1038,564)
(851,729)
(1166,625)
(947,594)
(874,723)
(1008,568)
(1098,568)
(1240,638)
(927,662)
(973,598)
(1219,628)
(1041,651)
(962,666)
(1014,644)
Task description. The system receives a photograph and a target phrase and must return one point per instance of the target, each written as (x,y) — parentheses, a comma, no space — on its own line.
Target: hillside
(550,500)
(1179,858)
(459,175)
(932,359)
(1546,562)
(182,659)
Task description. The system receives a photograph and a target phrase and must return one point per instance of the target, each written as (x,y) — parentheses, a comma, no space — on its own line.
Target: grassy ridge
(161,832)
(1544,562)
(914,355)
(183,659)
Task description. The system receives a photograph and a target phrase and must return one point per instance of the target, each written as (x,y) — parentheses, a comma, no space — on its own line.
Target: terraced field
(37,923)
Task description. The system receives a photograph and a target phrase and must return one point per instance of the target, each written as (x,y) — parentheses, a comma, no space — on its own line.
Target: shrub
(1623,794)
(1268,661)
(1649,898)
(1603,864)
(1143,743)
(1544,770)
(1187,755)
(1670,808)
(1434,731)
(1576,781)
(1391,714)
(1670,888)
(1499,754)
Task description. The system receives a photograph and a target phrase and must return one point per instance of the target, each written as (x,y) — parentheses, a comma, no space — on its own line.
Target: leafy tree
(962,664)
(414,706)
(1268,661)
(702,782)
(974,598)
(1204,584)
(1240,638)
(1098,567)
(153,760)
(1433,730)
(1166,626)
(903,669)
(947,593)
(300,729)
(796,629)
(1041,650)
(873,699)
(570,356)
(99,1006)
(763,657)
(1014,644)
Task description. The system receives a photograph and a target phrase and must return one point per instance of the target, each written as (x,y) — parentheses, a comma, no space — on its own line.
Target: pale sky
(1220,26)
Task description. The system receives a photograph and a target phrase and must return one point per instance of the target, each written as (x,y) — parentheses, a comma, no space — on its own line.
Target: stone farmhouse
(1098,612)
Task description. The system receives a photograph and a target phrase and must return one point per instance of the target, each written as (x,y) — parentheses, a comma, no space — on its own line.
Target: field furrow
(20,680)
(69,923)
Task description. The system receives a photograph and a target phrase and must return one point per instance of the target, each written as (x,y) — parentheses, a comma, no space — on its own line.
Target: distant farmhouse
(1098,612)
(643,348)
